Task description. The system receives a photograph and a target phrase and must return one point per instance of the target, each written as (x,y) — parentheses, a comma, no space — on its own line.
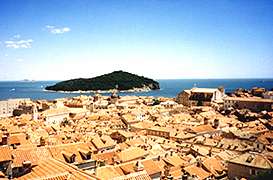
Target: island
(119,80)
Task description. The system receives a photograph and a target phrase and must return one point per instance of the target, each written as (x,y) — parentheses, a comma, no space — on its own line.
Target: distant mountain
(117,79)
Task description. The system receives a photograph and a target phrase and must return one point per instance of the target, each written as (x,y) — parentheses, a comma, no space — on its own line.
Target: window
(253,172)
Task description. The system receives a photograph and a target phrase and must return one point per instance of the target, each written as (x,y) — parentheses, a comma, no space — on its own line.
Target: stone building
(248,165)
(200,96)
(8,106)
(253,104)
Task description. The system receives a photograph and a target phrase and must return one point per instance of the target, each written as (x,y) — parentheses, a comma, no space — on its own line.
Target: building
(159,131)
(8,106)
(200,96)
(248,165)
(251,103)
(257,91)
(268,95)
(55,116)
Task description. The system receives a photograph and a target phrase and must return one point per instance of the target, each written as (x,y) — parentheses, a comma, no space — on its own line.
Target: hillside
(122,80)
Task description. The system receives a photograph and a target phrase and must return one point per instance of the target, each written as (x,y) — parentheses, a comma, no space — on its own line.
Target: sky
(168,39)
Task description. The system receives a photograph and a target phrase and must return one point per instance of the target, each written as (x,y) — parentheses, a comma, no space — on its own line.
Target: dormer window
(249,159)
(85,154)
(69,157)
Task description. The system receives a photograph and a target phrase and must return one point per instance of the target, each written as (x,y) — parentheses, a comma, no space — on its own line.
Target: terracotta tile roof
(225,155)
(102,142)
(197,171)
(266,138)
(131,154)
(22,155)
(141,175)
(5,153)
(135,142)
(215,166)
(128,168)
(122,145)
(53,112)
(126,134)
(52,169)
(151,167)
(253,160)
(108,157)
(176,172)
(19,138)
(142,125)
(202,128)
(202,150)
(175,160)
(57,151)
(129,118)
(107,172)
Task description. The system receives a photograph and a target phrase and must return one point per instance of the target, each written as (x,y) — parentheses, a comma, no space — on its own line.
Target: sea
(168,88)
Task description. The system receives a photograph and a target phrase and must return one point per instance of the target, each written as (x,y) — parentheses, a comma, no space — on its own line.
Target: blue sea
(169,88)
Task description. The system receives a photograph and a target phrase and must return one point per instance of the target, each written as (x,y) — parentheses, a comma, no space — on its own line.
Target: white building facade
(8,106)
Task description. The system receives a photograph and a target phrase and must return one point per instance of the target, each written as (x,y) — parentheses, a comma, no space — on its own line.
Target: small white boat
(13,89)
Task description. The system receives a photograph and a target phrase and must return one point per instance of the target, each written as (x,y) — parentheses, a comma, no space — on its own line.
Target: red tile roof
(52,169)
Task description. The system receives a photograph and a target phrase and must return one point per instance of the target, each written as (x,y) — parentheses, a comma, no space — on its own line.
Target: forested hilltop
(117,79)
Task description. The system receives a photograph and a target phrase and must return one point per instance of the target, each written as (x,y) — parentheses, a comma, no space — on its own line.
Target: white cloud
(57,30)
(19,44)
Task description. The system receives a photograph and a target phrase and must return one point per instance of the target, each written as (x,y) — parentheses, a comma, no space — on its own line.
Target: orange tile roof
(197,171)
(135,142)
(253,160)
(175,160)
(151,167)
(202,128)
(19,138)
(71,148)
(141,175)
(214,165)
(108,157)
(103,142)
(132,153)
(5,154)
(52,169)
(107,172)
(21,155)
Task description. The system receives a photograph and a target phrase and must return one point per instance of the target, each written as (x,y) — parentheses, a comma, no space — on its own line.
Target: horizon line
(239,78)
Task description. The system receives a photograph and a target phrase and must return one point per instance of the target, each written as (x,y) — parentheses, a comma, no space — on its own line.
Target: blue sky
(63,39)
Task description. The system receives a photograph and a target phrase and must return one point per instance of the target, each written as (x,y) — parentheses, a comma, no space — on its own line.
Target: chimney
(216,123)
(206,120)
(42,141)
(4,140)
(26,164)
(139,166)
(199,162)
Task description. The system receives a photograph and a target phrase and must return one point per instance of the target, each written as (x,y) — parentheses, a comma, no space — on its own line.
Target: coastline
(134,90)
